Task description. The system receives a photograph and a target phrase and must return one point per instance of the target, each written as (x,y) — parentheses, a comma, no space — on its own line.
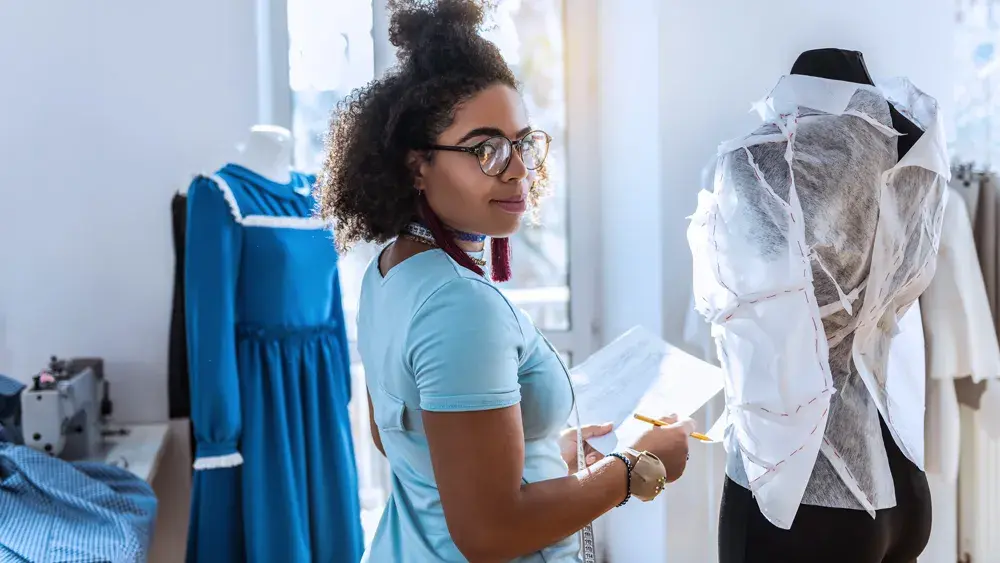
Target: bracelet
(648,476)
(628,477)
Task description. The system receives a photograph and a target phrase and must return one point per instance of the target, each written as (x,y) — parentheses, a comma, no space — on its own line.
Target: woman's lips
(516,205)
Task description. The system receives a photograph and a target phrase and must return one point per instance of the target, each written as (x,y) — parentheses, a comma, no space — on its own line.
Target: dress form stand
(267,151)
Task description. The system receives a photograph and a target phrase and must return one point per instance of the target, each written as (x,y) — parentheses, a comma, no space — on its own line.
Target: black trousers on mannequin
(831,535)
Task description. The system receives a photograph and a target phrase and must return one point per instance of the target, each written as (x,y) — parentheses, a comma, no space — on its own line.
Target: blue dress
(274,472)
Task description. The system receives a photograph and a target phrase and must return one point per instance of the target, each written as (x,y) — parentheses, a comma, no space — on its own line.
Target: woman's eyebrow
(491,132)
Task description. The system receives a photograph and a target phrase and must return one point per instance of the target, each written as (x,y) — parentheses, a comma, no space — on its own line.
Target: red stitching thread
(826,391)
(805,294)
(799,449)
(715,243)
(762,299)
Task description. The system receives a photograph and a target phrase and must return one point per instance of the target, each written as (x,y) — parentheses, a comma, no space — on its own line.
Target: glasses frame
(477,148)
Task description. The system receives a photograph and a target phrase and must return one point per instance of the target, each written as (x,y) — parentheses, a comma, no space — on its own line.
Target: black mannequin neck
(835,64)
(849,66)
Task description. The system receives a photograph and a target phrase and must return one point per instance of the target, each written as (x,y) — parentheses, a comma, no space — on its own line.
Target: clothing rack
(967,172)
(978,498)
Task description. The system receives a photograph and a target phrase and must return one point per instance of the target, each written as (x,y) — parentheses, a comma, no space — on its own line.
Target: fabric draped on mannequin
(816,240)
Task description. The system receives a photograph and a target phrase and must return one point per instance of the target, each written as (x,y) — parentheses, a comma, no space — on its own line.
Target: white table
(139,450)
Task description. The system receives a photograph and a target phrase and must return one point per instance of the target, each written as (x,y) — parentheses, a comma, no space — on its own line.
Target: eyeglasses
(494,153)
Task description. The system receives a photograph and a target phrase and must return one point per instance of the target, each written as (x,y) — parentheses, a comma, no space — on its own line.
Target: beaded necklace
(419,233)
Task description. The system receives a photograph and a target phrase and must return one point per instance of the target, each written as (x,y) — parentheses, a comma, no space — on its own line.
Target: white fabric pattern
(266,221)
(813,243)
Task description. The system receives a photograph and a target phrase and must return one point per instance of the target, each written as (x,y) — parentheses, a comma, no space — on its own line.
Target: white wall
(631,215)
(107,109)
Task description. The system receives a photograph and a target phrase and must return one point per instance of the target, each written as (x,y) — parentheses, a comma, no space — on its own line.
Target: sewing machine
(62,412)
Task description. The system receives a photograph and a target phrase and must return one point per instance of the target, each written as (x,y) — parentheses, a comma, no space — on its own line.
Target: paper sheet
(640,373)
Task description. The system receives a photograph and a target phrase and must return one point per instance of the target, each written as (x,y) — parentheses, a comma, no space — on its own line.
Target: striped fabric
(59,512)
(9,387)
(10,409)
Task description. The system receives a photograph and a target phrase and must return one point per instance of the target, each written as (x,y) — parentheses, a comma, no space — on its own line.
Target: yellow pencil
(654,422)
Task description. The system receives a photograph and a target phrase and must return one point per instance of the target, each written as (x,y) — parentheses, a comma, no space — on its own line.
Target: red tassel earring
(445,241)
(500,259)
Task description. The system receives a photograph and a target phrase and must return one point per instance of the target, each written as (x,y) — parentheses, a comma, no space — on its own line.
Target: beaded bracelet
(628,477)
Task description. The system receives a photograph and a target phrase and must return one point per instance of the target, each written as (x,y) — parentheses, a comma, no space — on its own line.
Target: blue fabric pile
(10,410)
(60,512)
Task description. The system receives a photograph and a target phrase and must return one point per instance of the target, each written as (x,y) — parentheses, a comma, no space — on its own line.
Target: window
(977,83)
(334,46)
(529,35)
(332,51)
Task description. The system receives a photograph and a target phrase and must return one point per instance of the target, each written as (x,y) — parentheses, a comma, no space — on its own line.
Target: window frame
(580,26)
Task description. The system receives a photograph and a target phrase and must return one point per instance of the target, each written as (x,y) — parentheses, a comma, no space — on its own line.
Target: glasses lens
(534,149)
(494,155)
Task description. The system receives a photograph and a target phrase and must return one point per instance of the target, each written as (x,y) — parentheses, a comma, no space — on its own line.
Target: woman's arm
(478,460)
(463,347)
(376,437)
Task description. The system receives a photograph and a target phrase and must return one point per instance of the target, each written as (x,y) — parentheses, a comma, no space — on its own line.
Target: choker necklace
(420,230)
(419,233)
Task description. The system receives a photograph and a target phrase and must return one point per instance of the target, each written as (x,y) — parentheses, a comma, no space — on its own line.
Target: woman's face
(457,189)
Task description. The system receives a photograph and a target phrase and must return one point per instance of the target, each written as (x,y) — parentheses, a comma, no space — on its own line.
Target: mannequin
(268,152)
(849,66)
(268,366)
(826,532)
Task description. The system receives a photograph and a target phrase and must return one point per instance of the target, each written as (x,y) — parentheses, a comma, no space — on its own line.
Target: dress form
(268,152)
(849,66)
(893,534)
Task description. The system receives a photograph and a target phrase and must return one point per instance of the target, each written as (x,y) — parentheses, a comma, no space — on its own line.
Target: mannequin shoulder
(212,191)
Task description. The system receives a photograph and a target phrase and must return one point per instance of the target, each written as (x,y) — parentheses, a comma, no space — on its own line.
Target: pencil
(654,422)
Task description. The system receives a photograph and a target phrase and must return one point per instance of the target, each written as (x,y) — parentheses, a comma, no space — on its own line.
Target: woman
(468,400)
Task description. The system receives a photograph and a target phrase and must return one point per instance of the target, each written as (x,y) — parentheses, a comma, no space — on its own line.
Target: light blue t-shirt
(434,336)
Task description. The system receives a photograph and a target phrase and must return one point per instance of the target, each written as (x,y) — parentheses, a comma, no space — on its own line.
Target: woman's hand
(567,444)
(669,443)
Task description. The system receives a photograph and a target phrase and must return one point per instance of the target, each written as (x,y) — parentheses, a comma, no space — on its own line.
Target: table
(137,447)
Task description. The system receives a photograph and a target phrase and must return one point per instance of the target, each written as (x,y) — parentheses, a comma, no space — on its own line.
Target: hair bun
(415,22)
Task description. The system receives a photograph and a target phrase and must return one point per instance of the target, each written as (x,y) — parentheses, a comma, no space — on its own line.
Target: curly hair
(366,188)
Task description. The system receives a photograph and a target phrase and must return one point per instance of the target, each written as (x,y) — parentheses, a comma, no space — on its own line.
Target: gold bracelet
(648,476)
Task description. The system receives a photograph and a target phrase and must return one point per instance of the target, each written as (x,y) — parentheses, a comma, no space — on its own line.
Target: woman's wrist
(626,459)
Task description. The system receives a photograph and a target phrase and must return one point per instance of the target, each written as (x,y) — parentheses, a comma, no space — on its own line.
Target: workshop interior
(118,114)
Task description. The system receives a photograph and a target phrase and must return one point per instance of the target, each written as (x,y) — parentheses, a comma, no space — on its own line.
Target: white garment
(812,245)
(989,409)
(697,331)
(907,350)
(698,335)
(961,338)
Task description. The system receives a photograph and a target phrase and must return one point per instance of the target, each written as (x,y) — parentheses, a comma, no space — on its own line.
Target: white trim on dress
(265,221)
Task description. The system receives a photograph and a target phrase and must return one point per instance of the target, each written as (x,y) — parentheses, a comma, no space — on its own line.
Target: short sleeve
(464,346)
